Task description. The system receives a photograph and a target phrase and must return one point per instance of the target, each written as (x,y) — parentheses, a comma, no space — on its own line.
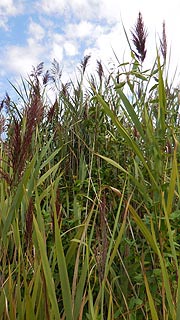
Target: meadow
(90,193)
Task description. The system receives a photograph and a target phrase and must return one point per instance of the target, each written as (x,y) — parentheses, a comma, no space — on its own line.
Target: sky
(34,31)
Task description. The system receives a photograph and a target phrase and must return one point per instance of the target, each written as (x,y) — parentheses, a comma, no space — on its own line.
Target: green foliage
(89,197)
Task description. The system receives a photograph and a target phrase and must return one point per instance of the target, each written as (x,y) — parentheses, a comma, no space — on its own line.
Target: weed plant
(90,194)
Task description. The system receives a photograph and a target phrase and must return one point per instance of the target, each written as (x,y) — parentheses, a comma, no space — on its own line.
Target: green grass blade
(65,286)
(141,187)
(80,289)
(130,109)
(151,239)
(162,101)
(143,229)
(18,197)
(48,173)
(116,242)
(172,184)
(165,277)
(150,299)
(91,305)
(170,234)
(51,157)
(47,271)
(132,144)
(178,298)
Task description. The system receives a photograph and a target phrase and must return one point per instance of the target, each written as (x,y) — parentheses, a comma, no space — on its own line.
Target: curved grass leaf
(18,198)
(150,298)
(65,286)
(128,139)
(47,271)
(131,112)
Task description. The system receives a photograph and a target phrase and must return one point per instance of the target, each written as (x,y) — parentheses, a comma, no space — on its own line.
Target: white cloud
(56,52)
(109,41)
(21,59)
(79,8)
(70,49)
(9,8)
(36,31)
(55,6)
(81,30)
(84,9)
(57,37)
(3,23)
(94,25)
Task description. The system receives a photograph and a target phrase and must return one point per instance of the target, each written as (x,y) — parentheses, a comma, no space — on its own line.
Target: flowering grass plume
(139,34)
(163,42)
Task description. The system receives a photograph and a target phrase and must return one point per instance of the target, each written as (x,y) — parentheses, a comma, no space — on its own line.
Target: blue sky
(38,31)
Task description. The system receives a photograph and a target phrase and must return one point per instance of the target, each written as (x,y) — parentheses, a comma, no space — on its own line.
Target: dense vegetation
(90,194)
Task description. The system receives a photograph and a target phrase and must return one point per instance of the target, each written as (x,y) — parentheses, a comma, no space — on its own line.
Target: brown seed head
(100,70)
(84,63)
(139,38)
(163,42)
(29,223)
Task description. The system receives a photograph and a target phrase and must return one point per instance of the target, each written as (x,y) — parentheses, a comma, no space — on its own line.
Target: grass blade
(65,286)
(47,271)
(150,299)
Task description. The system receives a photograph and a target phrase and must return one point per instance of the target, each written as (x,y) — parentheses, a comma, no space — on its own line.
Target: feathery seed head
(139,38)
(163,42)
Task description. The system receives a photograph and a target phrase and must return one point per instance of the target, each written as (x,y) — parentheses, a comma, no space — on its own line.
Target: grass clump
(89,194)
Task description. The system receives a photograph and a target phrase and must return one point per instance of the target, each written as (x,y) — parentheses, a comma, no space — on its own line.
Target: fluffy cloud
(56,52)
(36,31)
(52,7)
(84,8)
(81,30)
(69,29)
(21,59)
(9,8)
(78,8)
(70,49)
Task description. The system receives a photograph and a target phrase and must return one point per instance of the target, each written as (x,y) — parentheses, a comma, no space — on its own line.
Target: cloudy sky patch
(33,31)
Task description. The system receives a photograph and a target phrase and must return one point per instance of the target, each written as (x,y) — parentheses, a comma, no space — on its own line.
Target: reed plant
(89,193)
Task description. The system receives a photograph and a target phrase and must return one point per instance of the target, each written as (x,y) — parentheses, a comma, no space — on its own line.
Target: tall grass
(89,194)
